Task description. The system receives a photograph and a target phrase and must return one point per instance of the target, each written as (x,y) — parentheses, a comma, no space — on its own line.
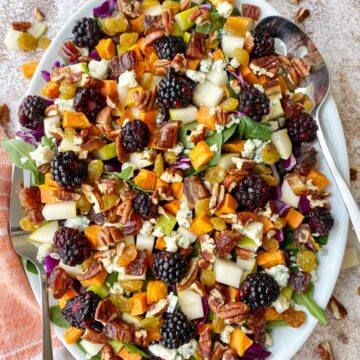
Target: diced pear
(182,18)
(101,290)
(288,196)
(91,348)
(254,231)
(37,29)
(153,10)
(282,143)
(226,160)
(51,125)
(45,233)
(176,31)
(247,266)
(276,110)
(186,115)
(80,67)
(227,272)
(166,223)
(132,320)
(116,345)
(123,94)
(11,39)
(231,42)
(72,271)
(144,242)
(217,78)
(191,304)
(67,144)
(248,244)
(187,234)
(59,211)
(107,152)
(138,162)
(187,37)
(207,94)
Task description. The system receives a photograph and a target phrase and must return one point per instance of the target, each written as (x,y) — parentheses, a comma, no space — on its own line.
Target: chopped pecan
(156,309)
(92,83)
(195,189)
(21,25)
(244,254)
(122,153)
(166,135)
(59,282)
(145,99)
(52,110)
(291,72)
(217,197)
(221,117)
(172,175)
(59,73)
(196,47)
(95,337)
(161,66)
(205,342)
(4,117)
(190,276)
(198,287)
(124,210)
(207,247)
(198,134)
(93,197)
(38,14)
(250,11)
(233,312)
(218,351)
(179,63)
(249,42)
(324,350)
(108,132)
(94,269)
(267,65)
(337,309)
(153,37)
(301,66)
(226,241)
(302,14)
(200,17)
(35,216)
(107,353)
(233,177)
(104,116)
(141,338)
(106,186)
(105,311)
(229,354)
(123,62)
(73,78)
(109,235)
(130,8)
(257,325)
(184,4)
(63,194)
(215,300)
(92,143)
(168,21)
(152,23)
(162,193)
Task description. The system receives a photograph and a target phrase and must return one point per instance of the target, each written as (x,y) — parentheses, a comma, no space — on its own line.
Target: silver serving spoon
(297,43)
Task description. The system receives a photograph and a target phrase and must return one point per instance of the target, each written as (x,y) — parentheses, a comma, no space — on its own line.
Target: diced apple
(116,345)
(186,115)
(72,271)
(37,29)
(138,162)
(282,143)
(187,234)
(107,152)
(191,304)
(254,231)
(207,94)
(231,42)
(226,160)
(247,266)
(182,18)
(59,211)
(91,348)
(288,196)
(45,233)
(145,242)
(153,10)
(52,125)
(67,144)
(276,110)
(217,78)
(227,272)
(80,67)
(131,320)
(166,223)
(248,244)
(11,39)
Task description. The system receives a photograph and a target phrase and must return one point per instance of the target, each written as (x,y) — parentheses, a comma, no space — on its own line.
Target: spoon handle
(349,201)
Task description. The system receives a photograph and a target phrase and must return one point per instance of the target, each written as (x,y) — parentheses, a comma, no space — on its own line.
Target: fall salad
(176,199)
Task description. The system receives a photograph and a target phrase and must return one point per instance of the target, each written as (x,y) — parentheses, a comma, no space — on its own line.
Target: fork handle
(47,353)
(349,201)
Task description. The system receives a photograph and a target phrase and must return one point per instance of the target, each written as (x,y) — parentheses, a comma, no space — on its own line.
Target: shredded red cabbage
(256,352)
(183,163)
(281,207)
(205,7)
(105,9)
(32,137)
(290,163)
(57,64)
(304,204)
(114,167)
(279,235)
(50,264)
(205,306)
(94,54)
(45,75)
(238,76)
(310,246)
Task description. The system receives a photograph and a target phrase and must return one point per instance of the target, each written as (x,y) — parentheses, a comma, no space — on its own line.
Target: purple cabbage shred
(256,352)
(50,264)
(31,137)
(105,9)
(183,163)
(45,75)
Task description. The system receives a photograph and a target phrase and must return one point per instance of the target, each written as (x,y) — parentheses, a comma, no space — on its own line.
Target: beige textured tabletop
(334,25)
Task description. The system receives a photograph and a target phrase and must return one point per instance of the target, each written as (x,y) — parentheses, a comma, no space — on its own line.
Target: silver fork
(29,251)
(317,87)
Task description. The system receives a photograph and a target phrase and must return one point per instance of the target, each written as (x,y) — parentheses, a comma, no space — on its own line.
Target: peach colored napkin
(20,322)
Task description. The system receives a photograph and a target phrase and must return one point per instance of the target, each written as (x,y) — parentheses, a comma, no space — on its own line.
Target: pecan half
(291,72)
(105,311)
(104,116)
(190,276)
(249,42)
(94,336)
(218,351)
(267,65)
(60,73)
(162,193)
(302,14)
(145,99)
(172,175)
(107,353)
(215,300)
(92,143)
(21,25)
(200,17)
(153,37)
(122,153)
(124,210)
(233,177)
(205,342)
(141,338)
(179,63)
(106,186)
(337,309)
(195,189)
(161,66)
(156,309)
(229,355)
(94,269)
(130,8)
(109,235)
(217,197)
(324,350)
(250,11)
(301,66)
(196,47)
(152,23)
(59,282)
(233,312)
(120,64)
(198,134)
(226,241)
(185,4)
(63,194)
(168,21)
(221,117)
(117,330)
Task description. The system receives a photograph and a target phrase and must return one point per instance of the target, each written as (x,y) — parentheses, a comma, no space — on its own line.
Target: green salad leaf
(123,175)
(111,279)
(307,299)
(134,349)
(254,130)
(216,23)
(30,267)
(271,325)
(46,141)
(57,318)
(185,131)
(323,239)
(229,132)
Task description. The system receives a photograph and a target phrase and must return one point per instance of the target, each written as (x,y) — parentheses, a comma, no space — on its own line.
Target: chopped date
(166,135)
(122,63)
(133,225)
(226,241)
(196,48)
(138,266)
(195,189)
(117,330)
(30,198)
(59,282)
(299,281)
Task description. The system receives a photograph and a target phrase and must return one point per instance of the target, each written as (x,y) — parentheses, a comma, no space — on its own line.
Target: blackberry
(254,103)
(168,46)
(170,267)
(259,290)
(89,102)
(79,311)
(72,246)
(263,44)
(31,112)
(135,135)
(176,330)
(68,170)
(87,32)
(320,220)
(175,90)
(252,193)
(301,128)
(144,206)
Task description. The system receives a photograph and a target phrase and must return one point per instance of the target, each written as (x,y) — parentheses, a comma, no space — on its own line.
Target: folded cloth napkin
(20,317)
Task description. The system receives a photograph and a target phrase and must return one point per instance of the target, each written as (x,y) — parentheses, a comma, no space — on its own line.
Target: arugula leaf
(30,267)
(254,130)
(307,299)
(124,175)
(229,132)
(270,325)
(57,318)
(323,239)
(216,23)
(18,150)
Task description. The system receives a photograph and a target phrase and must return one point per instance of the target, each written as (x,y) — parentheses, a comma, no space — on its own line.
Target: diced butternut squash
(263,79)
(318,179)
(233,294)
(160,183)
(295,318)
(172,207)
(29,68)
(140,69)
(156,290)
(91,233)
(192,64)
(201,225)
(48,194)
(267,224)
(200,155)
(146,179)
(294,218)
(127,114)
(177,189)
(268,259)
(218,55)
(248,75)
(239,342)
(228,206)
(125,354)
(148,117)
(238,25)
(51,90)
(49,181)
(204,117)
(109,88)
(97,280)
(106,49)
(69,294)
(138,303)
(137,24)
(160,243)
(153,335)
(76,120)
(72,335)
(130,100)
(234,146)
